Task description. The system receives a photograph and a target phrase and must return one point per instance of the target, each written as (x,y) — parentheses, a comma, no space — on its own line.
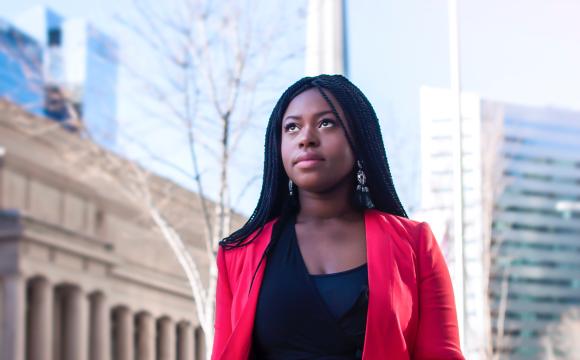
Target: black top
(303,316)
(340,290)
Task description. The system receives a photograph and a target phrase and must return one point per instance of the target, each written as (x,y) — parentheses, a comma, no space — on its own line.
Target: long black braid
(365,140)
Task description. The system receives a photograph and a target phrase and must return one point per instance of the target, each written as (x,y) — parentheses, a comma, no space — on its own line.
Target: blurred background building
(20,68)
(521,198)
(326,46)
(74,67)
(437,200)
(522,204)
(83,273)
(521,169)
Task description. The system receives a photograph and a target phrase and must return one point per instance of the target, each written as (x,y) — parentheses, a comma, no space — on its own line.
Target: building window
(54,37)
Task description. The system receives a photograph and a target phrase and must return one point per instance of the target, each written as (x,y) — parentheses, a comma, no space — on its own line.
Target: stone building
(83,273)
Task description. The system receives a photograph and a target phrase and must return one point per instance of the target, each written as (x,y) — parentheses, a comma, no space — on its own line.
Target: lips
(308,157)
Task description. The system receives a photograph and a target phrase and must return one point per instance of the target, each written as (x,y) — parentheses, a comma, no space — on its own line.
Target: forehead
(311,101)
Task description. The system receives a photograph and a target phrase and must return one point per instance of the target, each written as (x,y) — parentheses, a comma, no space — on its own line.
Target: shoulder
(400,225)
(259,239)
(401,229)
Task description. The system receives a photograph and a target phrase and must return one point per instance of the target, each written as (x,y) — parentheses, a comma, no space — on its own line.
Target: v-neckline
(383,278)
(294,240)
(313,288)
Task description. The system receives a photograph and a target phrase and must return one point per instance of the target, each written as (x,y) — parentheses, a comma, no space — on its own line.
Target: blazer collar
(382,335)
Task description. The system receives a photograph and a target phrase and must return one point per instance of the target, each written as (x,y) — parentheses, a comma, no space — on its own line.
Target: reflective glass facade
(521,172)
(20,68)
(536,227)
(80,66)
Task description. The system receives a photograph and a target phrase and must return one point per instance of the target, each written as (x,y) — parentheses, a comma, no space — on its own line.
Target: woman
(328,266)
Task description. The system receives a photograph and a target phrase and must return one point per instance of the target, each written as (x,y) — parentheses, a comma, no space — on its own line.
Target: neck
(333,204)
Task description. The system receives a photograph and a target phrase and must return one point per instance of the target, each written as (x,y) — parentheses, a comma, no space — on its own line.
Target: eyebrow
(316,115)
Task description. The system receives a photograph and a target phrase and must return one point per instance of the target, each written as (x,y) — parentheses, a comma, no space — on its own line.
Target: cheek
(348,161)
(348,154)
(348,158)
(342,150)
(286,153)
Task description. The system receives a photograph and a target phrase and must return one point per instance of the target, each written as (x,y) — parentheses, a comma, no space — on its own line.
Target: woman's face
(315,151)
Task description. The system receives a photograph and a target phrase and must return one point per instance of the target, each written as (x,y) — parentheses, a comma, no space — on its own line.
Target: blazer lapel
(240,341)
(383,337)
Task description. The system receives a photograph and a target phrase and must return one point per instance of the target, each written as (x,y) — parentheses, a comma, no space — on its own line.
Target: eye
(290,127)
(327,123)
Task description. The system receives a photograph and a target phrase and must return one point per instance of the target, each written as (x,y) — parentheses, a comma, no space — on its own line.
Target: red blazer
(411,313)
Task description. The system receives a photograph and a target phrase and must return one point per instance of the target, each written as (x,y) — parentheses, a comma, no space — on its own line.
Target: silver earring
(362,191)
(290,187)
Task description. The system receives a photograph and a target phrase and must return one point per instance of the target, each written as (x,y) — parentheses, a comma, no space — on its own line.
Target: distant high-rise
(325,38)
(20,68)
(80,70)
(522,210)
(437,200)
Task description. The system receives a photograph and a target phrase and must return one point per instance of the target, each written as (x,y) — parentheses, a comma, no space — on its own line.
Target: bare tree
(561,339)
(209,73)
(495,265)
(212,60)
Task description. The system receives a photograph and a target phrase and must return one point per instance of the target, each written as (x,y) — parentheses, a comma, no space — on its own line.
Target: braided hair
(365,140)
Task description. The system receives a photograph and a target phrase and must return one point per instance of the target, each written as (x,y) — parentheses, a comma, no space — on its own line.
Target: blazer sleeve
(438,335)
(223,303)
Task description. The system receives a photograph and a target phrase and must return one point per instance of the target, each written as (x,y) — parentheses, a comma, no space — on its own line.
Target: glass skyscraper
(20,68)
(80,71)
(521,208)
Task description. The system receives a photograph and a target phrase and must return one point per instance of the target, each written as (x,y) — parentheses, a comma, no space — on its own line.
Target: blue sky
(169,142)
(100,12)
(520,51)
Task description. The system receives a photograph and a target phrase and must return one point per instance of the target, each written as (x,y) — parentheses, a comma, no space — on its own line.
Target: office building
(521,168)
(80,65)
(325,38)
(84,273)
(20,68)
(437,200)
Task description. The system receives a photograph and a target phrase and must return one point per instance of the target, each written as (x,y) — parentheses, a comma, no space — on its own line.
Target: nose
(308,138)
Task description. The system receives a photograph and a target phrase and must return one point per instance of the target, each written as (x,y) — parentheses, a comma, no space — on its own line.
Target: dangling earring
(293,200)
(362,191)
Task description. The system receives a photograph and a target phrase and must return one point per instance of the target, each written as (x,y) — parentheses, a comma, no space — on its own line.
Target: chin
(316,186)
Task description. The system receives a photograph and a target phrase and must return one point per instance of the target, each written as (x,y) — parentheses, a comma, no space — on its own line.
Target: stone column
(185,334)
(100,338)
(58,310)
(199,337)
(199,343)
(13,326)
(146,337)
(166,339)
(124,334)
(76,325)
(41,320)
